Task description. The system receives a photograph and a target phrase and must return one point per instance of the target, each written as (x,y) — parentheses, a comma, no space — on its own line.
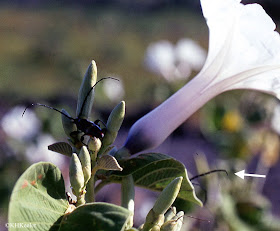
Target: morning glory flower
(244,53)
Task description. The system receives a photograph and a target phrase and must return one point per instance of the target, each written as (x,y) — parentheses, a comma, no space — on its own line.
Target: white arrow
(242,174)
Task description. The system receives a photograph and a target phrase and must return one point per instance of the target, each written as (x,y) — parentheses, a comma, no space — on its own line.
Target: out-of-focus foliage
(43,49)
(243,125)
(233,203)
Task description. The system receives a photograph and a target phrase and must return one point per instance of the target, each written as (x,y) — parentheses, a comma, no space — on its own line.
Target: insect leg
(97,122)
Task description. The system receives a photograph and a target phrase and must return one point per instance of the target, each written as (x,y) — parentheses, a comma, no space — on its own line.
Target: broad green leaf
(155,171)
(96,216)
(38,198)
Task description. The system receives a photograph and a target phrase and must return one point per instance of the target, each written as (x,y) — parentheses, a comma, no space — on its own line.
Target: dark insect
(89,128)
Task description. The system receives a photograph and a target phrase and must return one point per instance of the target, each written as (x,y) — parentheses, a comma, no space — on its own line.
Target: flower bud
(169,226)
(88,81)
(155,217)
(113,125)
(173,224)
(86,163)
(76,175)
(94,145)
(167,196)
(153,220)
(116,117)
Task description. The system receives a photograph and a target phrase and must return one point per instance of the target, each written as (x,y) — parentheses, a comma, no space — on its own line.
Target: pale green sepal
(76,175)
(88,82)
(180,218)
(167,196)
(62,148)
(108,162)
(86,163)
(170,214)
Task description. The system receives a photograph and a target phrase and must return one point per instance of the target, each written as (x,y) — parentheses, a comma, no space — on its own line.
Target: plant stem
(128,194)
(90,195)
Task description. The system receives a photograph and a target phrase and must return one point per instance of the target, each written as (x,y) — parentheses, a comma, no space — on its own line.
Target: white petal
(267,81)
(242,41)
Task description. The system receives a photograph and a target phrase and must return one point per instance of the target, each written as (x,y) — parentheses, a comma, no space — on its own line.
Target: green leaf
(155,171)
(96,216)
(38,198)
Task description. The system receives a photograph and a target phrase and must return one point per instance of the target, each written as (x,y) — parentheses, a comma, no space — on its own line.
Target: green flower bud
(174,224)
(153,220)
(68,124)
(94,145)
(88,81)
(167,196)
(113,125)
(116,117)
(86,163)
(76,175)
(155,228)
(169,226)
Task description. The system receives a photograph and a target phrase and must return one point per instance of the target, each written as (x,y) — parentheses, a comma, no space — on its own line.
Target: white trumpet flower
(244,53)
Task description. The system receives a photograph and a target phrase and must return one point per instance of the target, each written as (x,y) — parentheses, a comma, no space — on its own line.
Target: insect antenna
(82,108)
(43,105)
(210,172)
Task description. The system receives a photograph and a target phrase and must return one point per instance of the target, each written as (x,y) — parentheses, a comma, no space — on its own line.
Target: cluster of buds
(162,216)
(88,152)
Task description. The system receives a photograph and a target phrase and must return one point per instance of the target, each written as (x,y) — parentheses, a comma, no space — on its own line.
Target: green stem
(81,200)
(128,194)
(90,195)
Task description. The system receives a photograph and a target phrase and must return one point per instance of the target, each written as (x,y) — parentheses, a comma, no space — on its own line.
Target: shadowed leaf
(96,216)
(38,198)
(155,171)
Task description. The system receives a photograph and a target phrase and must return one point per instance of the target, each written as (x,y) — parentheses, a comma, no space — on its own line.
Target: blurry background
(154,48)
